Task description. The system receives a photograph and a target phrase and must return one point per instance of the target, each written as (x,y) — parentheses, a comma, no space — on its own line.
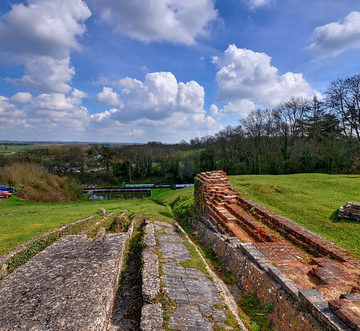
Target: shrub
(36,185)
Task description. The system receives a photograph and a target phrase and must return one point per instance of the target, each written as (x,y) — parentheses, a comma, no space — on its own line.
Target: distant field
(14,148)
(22,220)
(311,200)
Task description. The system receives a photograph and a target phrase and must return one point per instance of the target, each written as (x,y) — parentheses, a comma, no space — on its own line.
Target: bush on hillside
(36,185)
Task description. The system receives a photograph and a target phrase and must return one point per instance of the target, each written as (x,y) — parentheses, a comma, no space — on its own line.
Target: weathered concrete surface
(69,285)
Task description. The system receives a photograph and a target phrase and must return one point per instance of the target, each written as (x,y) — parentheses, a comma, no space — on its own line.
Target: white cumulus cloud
(40,35)
(159,106)
(109,97)
(158,20)
(54,115)
(56,111)
(21,98)
(240,107)
(245,74)
(48,74)
(10,116)
(158,96)
(336,37)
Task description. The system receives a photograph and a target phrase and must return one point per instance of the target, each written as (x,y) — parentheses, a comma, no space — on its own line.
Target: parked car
(4,194)
(7,188)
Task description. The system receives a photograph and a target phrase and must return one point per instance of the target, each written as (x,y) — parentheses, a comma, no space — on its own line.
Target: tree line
(300,135)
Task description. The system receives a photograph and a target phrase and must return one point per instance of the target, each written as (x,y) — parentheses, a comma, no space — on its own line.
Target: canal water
(119,195)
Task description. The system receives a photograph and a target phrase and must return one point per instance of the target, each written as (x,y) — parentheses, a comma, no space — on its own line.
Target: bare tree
(259,126)
(343,98)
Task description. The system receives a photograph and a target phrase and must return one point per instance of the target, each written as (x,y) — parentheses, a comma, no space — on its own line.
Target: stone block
(151,317)
(150,274)
(69,285)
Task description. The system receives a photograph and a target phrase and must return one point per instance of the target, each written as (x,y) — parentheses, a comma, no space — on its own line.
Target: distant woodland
(300,135)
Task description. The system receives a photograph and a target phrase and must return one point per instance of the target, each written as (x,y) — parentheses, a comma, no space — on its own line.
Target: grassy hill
(23,220)
(311,200)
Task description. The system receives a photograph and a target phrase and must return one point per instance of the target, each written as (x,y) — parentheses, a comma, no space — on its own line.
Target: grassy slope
(311,200)
(22,220)
(180,201)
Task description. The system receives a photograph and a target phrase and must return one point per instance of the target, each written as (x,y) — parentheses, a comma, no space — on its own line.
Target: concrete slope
(69,285)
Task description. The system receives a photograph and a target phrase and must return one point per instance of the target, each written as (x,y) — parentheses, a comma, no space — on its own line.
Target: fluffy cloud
(245,74)
(109,97)
(58,111)
(158,96)
(253,4)
(10,117)
(40,35)
(159,106)
(334,38)
(47,74)
(55,115)
(21,98)
(240,107)
(164,20)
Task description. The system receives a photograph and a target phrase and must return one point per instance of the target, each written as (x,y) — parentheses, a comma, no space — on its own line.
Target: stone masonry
(318,275)
(190,299)
(70,285)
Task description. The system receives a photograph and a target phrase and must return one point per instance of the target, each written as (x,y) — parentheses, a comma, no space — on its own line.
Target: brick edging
(257,274)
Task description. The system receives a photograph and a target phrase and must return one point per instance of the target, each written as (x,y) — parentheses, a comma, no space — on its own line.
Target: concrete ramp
(70,285)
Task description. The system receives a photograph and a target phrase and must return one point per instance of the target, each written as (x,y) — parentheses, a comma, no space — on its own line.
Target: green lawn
(22,220)
(311,200)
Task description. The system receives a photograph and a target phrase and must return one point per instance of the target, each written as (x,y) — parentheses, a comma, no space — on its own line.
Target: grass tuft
(251,305)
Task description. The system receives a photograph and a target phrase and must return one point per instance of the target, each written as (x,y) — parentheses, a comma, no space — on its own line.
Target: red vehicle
(4,194)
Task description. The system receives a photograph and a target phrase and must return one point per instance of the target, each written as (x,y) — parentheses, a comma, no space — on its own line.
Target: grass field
(311,200)
(22,220)
(14,148)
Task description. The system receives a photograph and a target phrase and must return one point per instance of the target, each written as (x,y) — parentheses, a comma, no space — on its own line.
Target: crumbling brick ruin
(350,211)
(317,275)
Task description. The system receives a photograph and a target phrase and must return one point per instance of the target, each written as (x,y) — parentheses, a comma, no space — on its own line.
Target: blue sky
(141,70)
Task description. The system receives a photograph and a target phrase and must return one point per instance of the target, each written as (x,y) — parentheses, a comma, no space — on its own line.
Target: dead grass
(36,185)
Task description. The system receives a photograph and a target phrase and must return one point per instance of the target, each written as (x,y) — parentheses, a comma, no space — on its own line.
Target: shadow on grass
(166,214)
(335,219)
